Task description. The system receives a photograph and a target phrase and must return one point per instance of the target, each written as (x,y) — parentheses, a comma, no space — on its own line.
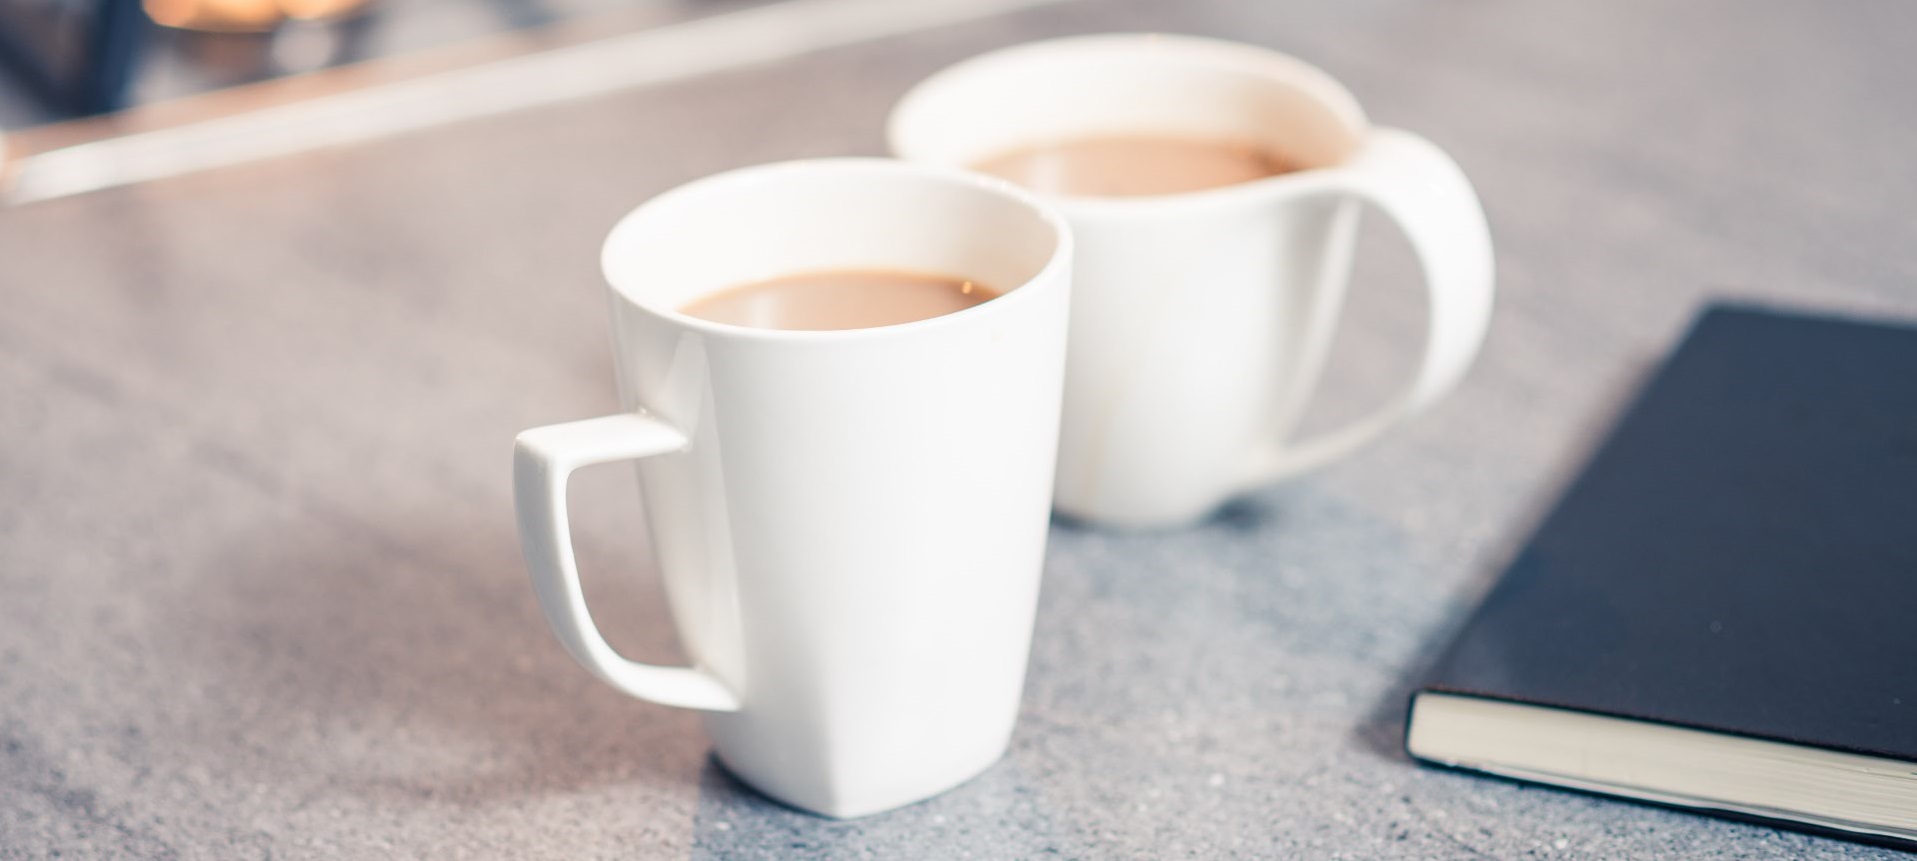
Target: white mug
(849,524)
(1201,320)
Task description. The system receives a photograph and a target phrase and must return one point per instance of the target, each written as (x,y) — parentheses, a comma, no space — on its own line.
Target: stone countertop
(260,594)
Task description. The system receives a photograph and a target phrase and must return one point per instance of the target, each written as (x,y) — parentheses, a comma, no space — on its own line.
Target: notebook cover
(1740,555)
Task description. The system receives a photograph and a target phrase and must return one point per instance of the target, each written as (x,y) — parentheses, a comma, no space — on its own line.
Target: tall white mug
(849,524)
(1201,320)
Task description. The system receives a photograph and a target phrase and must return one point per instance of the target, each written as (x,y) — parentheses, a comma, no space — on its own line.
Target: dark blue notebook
(1721,612)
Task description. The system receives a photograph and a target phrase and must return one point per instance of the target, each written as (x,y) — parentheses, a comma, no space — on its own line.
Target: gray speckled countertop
(260,595)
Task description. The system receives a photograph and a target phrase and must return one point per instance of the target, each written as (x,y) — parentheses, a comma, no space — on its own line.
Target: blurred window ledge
(591,55)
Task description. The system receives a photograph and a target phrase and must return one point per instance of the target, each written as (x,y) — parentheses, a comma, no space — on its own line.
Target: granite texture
(260,595)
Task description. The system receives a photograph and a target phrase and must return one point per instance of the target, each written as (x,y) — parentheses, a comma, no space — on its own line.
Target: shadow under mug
(849,524)
(1201,321)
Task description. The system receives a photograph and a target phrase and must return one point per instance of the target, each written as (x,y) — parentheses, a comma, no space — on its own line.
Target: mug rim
(1255,59)
(626,233)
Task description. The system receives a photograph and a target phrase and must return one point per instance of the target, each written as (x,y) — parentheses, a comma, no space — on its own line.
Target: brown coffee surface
(1135,166)
(840,299)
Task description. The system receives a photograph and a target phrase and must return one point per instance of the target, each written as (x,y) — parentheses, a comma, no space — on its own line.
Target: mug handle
(543,459)
(1425,192)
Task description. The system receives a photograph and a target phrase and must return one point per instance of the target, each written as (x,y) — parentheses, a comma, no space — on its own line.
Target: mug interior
(1119,85)
(797,217)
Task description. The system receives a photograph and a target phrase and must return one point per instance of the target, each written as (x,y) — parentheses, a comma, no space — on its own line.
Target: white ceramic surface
(850,524)
(1201,321)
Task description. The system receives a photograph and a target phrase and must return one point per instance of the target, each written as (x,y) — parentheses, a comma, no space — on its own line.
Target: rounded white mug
(1200,321)
(849,524)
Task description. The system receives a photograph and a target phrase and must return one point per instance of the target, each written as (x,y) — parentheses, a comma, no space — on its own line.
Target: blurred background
(66,58)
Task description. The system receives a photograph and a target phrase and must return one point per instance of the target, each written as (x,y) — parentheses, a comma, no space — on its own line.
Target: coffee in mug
(849,523)
(840,299)
(1201,322)
(1136,165)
